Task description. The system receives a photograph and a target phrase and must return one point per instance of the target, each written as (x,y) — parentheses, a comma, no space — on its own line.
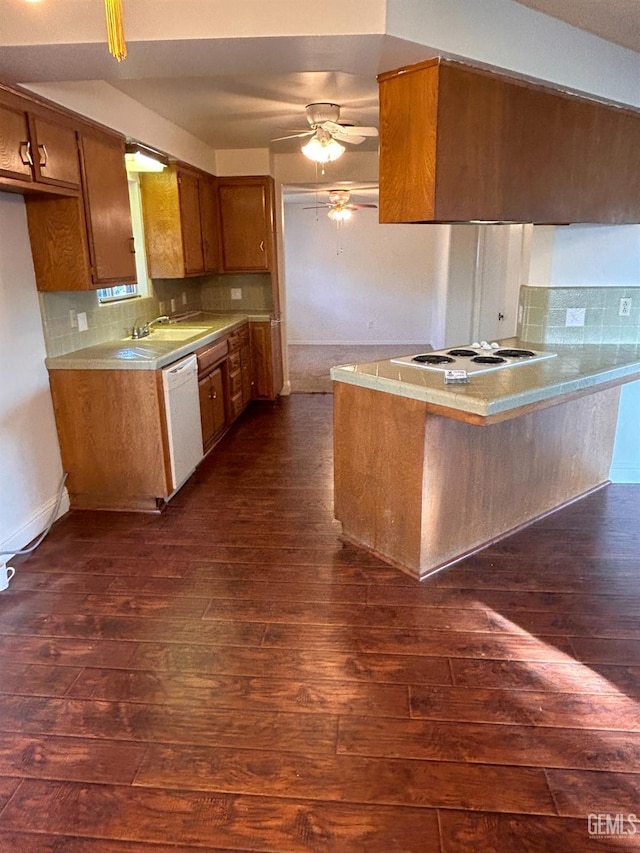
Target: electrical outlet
(184,297)
(575,317)
(162,307)
(174,305)
(625,307)
(370,324)
(236,293)
(82,322)
(73,318)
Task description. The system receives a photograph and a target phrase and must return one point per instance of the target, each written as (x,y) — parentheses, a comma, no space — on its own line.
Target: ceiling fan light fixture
(339,214)
(323,150)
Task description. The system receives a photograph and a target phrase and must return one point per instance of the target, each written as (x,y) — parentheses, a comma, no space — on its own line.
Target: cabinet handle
(262,245)
(43,154)
(132,245)
(25,153)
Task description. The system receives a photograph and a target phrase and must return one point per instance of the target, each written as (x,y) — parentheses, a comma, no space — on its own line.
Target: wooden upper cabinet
(108,211)
(36,147)
(209,223)
(85,242)
(54,152)
(190,223)
(176,212)
(15,149)
(459,144)
(246,210)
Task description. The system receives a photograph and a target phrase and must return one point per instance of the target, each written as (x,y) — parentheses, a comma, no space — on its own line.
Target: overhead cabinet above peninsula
(459,144)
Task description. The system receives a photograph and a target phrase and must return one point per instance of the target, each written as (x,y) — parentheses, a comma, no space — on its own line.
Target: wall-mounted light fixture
(139,158)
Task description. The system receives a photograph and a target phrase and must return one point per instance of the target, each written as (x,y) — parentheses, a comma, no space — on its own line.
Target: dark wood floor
(230,676)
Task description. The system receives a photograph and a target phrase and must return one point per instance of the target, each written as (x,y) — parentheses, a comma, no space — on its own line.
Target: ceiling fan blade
(363,205)
(294,136)
(348,129)
(317,207)
(352,140)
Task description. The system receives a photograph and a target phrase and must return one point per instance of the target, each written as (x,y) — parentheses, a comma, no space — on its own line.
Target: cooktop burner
(427,358)
(488,359)
(474,358)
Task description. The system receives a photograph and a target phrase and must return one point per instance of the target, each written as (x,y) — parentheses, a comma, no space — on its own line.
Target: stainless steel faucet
(142,331)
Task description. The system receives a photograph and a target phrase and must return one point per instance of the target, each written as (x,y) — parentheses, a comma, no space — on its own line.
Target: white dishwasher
(182,406)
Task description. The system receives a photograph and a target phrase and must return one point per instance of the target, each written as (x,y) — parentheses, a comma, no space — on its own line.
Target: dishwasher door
(182,406)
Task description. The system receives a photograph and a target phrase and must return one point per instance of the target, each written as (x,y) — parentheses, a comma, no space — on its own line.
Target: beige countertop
(575,369)
(154,352)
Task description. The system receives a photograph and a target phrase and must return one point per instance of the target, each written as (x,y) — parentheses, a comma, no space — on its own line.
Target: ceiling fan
(340,207)
(327,132)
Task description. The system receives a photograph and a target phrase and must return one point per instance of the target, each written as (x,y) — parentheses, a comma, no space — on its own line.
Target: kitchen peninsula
(426,473)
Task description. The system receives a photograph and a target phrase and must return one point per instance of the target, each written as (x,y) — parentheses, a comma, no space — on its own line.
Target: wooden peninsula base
(423,490)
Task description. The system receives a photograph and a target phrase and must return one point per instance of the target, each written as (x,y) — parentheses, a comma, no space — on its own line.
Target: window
(120,292)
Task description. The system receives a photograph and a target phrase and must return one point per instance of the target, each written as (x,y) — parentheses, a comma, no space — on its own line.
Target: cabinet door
(217,399)
(108,212)
(212,408)
(56,159)
(206,411)
(246,224)
(245,367)
(209,223)
(16,155)
(266,359)
(190,221)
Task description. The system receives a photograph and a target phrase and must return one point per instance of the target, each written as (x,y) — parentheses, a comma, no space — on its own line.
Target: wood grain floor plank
(294,664)
(128,721)
(581,792)
(241,692)
(463,832)
(438,643)
(74,652)
(523,746)
(70,759)
(224,820)
(133,628)
(36,679)
(336,613)
(8,787)
(32,842)
(547,677)
(587,710)
(359,779)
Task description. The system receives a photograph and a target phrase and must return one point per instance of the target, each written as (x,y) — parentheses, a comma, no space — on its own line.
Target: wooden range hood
(461,144)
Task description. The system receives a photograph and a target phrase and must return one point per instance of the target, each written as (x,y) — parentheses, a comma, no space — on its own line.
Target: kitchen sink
(172,333)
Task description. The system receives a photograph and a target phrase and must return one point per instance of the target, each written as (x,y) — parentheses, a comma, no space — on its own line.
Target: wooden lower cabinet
(266,357)
(113,440)
(212,406)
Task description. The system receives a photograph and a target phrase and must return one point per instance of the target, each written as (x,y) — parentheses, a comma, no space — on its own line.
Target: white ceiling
(242,92)
(614,20)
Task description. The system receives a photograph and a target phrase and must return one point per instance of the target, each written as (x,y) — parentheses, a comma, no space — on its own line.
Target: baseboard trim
(35,525)
(625,474)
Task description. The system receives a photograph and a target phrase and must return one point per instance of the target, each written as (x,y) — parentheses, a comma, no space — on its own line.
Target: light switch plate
(82,322)
(236,293)
(575,317)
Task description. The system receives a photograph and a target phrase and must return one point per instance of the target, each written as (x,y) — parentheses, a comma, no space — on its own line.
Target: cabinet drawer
(237,405)
(210,354)
(235,383)
(239,338)
(234,361)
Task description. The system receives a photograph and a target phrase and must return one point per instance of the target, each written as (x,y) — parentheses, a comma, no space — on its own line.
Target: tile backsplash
(115,320)
(542,315)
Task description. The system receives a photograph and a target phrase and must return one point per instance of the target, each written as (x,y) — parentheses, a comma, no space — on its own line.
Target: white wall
(596,255)
(30,466)
(362,283)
